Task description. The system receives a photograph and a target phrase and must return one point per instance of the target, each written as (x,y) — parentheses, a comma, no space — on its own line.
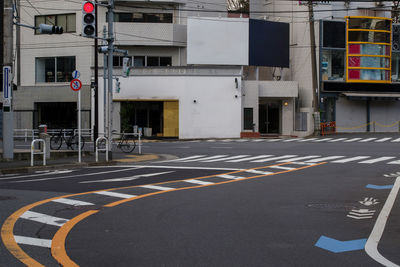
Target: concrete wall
(215,114)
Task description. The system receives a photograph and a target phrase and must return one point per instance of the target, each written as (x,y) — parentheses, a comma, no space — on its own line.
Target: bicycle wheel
(126,146)
(74,142)
(55,142)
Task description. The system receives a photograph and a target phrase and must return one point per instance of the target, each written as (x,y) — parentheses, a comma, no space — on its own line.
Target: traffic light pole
(110,72)
(8,116)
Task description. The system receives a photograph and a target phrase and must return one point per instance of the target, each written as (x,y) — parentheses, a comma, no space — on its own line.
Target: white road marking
(275,158)
(36,174)
(72,202)
(371,247)
(74,176)
(307,139)
(43,218)
(376,160)
(186,158)
(125,179)
(193,181)
(359,218)
(337,140)
(383,140)
(228,158)
(227,176)
(282,168)
(367,140)
(257,140)
(24,240)
(156,187)
(187,168)
(206,158)
(273,140)
(394,162)
(322,140)
(299,158)
(353,140)
(251,158)
(350,159)
(395,140)
(292,140)
(115,194)
(259,172)
(324,159)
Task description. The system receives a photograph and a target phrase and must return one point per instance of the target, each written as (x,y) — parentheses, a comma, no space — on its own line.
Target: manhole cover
(332,206)
(7,198)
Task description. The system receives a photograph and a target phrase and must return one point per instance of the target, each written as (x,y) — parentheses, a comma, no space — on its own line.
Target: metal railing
(34,133)
(101,149)
(33,153)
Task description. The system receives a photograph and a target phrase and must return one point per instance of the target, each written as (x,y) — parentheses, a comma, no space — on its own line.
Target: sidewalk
(66,159)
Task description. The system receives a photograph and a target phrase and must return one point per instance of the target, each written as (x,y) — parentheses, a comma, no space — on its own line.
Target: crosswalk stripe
(114,194)
(307,140)
(376,160)
(299,158)
(156,187)
(206,158)
(257,140)
(273,140)
(258,172)
(323,139)
(251,158)
(72,202)
(324,159)
(367,140)
(274,158)
(291,140)
(383,139)
(227,176)
(24,240)
(224,159)
(186,158)
(282,168)
(43,218)
(193,181)
(394,162)
(337,140)
(353,139)
(395,140)
(350,159)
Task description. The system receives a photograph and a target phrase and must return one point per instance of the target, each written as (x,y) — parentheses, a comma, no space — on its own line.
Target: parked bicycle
(126,143)
(71,140)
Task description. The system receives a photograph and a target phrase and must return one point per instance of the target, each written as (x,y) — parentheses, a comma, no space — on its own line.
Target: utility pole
(314,68)
(8,120)
(110,72)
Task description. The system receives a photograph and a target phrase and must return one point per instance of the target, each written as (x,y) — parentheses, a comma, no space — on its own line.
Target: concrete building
(363,105)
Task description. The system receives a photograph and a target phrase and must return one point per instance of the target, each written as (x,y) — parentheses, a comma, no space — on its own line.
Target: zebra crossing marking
(337,140)
(299,158)
(114,194)
(251,158)
(324,159)
(194,181)
(274,158)
(376,160)
(322,140)
(207,158)
(223,159)
(155,187)
(43,218)
(72,202)
(350,159)
(367,140)
(353,139)
(38,242)
(383,140)
(395,140)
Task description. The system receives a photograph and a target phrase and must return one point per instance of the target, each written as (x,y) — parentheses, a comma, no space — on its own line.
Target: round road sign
(76,74)
(76,84)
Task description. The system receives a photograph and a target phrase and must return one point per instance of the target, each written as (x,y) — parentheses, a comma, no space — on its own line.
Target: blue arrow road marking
(337,246)
(379,187)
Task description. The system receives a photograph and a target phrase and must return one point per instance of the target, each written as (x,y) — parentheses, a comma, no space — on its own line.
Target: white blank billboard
(220,41)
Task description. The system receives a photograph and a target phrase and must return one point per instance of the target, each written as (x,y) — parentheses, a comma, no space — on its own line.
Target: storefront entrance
(269,117)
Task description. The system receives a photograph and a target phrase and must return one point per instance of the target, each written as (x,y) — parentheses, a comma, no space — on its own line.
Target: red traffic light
(88,7)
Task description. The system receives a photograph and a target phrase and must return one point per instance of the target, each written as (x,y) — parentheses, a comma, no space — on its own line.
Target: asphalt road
(218,203)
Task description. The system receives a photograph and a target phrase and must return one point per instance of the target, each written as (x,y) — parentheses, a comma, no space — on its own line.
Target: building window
(54,69)
(248,119)
(67,21)
(140,17)
(395,66)
(144,61)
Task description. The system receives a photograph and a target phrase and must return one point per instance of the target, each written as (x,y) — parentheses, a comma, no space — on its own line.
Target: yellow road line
(8,226)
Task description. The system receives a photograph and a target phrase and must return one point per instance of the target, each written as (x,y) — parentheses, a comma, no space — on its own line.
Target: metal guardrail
(34,133)
(38,153)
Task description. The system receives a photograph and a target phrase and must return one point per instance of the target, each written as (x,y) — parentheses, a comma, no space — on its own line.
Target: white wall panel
(223,41)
